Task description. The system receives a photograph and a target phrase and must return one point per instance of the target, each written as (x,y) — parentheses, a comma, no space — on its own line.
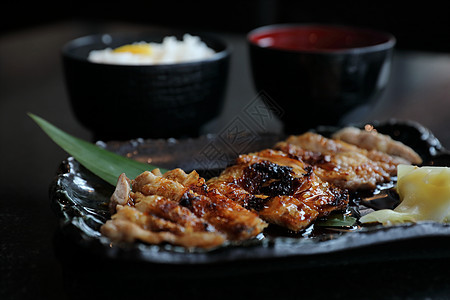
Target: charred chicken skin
(282,190)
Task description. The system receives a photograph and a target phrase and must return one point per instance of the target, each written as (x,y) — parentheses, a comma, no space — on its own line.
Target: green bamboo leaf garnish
(103,163)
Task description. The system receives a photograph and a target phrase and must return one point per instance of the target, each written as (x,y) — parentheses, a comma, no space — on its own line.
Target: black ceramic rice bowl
(119,102)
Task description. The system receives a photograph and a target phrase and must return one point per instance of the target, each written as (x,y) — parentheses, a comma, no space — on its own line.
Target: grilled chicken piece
(227,216)
(129,224)
(372,140)
(340,163)
(178,208)
(121,193)
(156,219)
(282,190)
(150,184)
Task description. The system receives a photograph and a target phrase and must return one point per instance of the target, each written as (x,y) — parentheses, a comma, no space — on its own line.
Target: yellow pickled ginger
(424,193)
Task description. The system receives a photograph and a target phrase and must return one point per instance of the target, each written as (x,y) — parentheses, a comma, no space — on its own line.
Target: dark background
(418,25)
(31,80)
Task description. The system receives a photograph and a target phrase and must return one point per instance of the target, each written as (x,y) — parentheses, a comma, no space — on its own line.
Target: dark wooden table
(31,81)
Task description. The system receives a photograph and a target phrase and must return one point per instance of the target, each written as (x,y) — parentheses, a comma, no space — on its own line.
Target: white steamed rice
(170,51)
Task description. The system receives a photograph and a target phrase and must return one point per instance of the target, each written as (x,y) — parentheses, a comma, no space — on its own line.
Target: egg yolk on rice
(142,48)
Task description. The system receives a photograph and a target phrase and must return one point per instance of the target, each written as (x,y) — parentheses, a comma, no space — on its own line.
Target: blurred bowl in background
(118,102)
(317,74)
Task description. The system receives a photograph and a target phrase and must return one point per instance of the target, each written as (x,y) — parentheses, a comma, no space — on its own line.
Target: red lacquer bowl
(318,74)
